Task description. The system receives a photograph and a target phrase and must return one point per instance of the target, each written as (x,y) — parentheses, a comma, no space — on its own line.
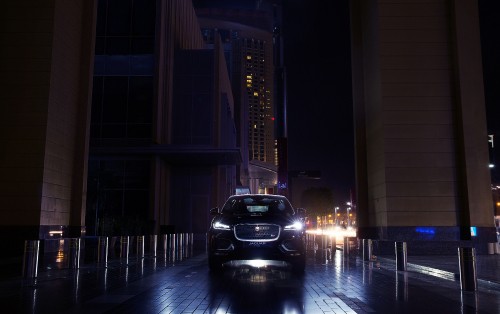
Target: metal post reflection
(402,286)
(367,273)
(105,282)
(154,264)
(466,298)
(74,253)
(141,267)
(34,299)
(76,286)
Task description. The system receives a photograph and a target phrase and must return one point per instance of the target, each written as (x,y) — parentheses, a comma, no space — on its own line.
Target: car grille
(257,232)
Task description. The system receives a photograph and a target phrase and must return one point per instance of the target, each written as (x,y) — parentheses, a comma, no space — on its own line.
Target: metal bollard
(140,246)
(102,250)
(367,249)
(172,242)
(180,245)
(165,243)
(153,244)
(346,246)
(467,262)
(30,262)
(124,247)
(191,241)
(74,253)
(491,248)
(401,255)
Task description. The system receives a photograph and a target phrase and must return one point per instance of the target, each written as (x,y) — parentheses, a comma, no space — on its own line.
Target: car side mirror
(214,211)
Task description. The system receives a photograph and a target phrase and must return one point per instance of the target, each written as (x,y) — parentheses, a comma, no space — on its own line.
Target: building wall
(203,115)
(420,123)
(46,54)
(166,177)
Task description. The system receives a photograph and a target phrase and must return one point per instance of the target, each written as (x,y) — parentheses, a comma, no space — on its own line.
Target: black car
(257,230)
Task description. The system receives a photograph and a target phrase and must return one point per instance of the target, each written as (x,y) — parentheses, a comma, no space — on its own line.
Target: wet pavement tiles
(332,283)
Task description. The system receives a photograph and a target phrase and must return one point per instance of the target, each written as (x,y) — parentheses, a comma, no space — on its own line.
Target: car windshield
(258,205)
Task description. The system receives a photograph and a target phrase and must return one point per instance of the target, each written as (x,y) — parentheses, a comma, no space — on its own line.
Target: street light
(348,217)
(336,219)
(349,204)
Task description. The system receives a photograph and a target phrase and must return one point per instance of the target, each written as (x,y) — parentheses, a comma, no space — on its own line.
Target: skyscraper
(249,49)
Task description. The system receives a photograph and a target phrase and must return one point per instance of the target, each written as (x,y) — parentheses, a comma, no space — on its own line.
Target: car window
(257,205)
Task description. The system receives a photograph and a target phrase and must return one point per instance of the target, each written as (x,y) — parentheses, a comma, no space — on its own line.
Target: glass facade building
(163,143)
(122,108)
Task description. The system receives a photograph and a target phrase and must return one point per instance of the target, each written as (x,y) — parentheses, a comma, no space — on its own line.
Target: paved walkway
(487,266)
(332,283)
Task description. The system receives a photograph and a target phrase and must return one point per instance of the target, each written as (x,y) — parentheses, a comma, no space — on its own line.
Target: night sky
(317,60)
(490,29)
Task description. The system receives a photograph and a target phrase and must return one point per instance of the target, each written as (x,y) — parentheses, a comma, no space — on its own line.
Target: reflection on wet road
(332,283)
(247,290)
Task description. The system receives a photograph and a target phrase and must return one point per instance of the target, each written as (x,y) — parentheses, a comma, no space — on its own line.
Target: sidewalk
(337,284)
(447,267)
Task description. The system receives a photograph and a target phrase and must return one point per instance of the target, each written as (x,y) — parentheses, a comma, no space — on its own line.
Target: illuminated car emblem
(261,228)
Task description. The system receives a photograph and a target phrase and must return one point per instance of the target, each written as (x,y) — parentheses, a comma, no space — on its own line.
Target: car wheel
(214,264)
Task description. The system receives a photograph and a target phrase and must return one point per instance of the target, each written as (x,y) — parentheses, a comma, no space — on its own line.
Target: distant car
(257,230)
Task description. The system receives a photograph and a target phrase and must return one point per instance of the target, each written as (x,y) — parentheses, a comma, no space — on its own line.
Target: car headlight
(295,226)
(220,226)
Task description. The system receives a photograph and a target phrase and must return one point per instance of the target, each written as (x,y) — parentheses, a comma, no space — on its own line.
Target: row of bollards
(174,246)
(466,255)
(179,246)
(466,259)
